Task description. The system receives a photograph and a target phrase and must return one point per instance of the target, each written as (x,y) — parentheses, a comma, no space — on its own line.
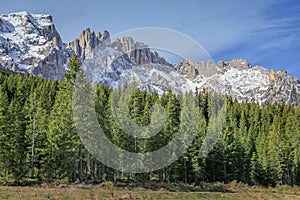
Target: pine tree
(17,160)
(4,134)
(257,173)
(274,167)
(296,150)
(74,66)
(62,136)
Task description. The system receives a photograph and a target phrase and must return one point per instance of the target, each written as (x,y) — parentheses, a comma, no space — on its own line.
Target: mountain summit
(30,43)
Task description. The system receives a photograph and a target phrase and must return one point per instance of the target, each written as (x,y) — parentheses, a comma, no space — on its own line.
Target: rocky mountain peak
(125,44)
(240,64)
(187,62)
(188,68)
(138,52)
(106,37)
(87,41)
(29,43)
(191,70)
(84,44)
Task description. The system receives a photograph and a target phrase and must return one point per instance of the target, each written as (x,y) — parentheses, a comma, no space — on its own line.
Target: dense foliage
(38,139)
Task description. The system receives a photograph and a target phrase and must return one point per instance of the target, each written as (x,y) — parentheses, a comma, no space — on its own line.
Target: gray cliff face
(87,42)
(30,43)
(283,88)
(138,52)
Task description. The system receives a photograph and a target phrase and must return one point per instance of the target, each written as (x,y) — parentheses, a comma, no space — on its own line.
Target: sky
(264,32)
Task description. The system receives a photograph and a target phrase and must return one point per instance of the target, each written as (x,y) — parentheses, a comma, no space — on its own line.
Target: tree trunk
(80,164)
(33,139)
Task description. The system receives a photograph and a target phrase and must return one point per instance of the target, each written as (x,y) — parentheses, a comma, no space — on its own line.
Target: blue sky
(266,33)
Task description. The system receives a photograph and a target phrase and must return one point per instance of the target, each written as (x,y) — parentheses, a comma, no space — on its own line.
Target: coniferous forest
(38,140)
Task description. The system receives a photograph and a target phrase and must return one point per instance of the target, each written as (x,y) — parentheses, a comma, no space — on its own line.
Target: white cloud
(282,42)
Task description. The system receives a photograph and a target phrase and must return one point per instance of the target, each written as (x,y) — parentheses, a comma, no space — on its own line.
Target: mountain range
(30,43)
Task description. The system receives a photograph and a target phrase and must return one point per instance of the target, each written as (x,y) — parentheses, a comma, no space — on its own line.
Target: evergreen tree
(5,147)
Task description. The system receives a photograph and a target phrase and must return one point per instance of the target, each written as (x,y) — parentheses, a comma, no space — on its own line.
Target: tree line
(259,145)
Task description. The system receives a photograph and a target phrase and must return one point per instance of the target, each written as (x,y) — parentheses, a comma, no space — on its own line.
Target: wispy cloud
(282,42)
(271,39)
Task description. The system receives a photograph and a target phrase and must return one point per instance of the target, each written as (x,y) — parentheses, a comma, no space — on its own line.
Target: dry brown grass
(108,191)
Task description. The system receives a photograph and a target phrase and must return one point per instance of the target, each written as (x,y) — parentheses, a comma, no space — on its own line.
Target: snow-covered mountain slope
(236,78)
(239,79)
(115,68)
(29,43)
